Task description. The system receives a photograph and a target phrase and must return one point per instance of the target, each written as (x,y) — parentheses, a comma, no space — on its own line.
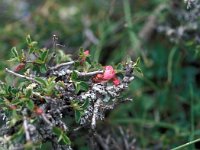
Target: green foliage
(161,96)
(44,90)
(79,85)
(47,85)
(79,109)
(62,137)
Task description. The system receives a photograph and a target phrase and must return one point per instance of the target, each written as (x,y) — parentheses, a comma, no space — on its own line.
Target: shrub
(53,96)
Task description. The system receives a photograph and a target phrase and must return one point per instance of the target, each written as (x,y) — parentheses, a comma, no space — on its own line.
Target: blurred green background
(164,112)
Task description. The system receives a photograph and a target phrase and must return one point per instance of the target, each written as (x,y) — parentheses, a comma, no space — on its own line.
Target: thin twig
(55,39)
(82,74)
(79,73)
(25,125)
(186,144)
(60,108)
(47,98)
(53,57)
(62,65)
(46,120)
(95,111)
(89,73)
(80,127)
(101,142)
(124,137)
(21,76)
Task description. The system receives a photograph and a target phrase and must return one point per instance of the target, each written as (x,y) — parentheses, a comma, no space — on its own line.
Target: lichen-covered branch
(60,96)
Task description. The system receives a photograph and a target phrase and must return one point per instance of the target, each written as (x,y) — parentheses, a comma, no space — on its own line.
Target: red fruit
(116,81)
(39,111)
(109,73)
(19,67)
(98,78)
(86,53)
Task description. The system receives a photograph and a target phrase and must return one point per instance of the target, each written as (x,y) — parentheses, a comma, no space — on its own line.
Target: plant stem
(192,114)
(62,65)
(21,76)
(132,35)
(170,63)
(186,144)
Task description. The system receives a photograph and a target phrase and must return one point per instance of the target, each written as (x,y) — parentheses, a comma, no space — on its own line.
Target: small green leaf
(85,104)
(44,54)
(43,68)
(138,71)
(61,84)
(14,52)
(9,89)
(62,57)
(16,101)
(81,50)
(87,66)
(28,39)
(120,67)
(77,116)
(137,62)
(28,93)
(78,87)
(66,139)
(36,68)
(84,86)
(39,61)
(18,135)
(62,137)
(41,81)
(81,86)
(13,59)
(57,131)
(32,47)
(14,118)
(74,76)
(22,56)
(33,44)
(30,104)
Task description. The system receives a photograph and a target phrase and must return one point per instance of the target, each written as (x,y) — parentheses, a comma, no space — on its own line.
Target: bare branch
(21,76)
(25,125)
(79,73)
(95,111)
(89,73)
(62,65)
(46,120)
(101,141)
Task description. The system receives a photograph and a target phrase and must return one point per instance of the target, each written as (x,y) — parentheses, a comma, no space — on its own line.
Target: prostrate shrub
(53,96)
